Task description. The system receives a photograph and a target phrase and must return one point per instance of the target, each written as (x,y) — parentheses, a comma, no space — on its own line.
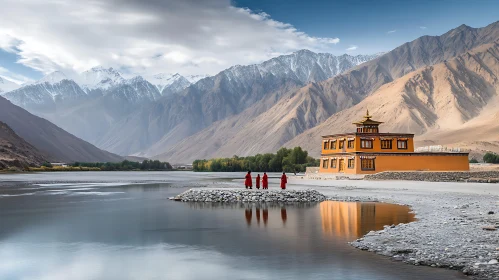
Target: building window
(324,163)
(350,144)
(367,164)
(342,144)
(333,145)
(333,163)
(386,144)
(366,144)
(402,144)
(351,163)
(326,145)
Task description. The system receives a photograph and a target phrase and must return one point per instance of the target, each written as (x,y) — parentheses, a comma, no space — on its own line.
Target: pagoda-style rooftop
(367,121)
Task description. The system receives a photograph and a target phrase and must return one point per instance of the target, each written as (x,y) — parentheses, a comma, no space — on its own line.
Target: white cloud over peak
(352,48)
(13,77)
(145,36)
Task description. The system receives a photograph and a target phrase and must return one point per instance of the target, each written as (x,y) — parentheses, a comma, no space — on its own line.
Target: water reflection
(262,214)
(349,220)
(354,219)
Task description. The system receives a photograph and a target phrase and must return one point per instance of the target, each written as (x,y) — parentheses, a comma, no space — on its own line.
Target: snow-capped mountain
(44,95)
(99,78)
(303,65)
(6,85)
(219,97)
(52,78)
(194,78)
(134,90)
(170,82)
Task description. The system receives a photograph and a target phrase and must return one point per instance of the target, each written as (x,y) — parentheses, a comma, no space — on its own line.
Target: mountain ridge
(330,96)
(211,99)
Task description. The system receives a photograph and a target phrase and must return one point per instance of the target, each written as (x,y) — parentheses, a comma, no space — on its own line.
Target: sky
(193,37)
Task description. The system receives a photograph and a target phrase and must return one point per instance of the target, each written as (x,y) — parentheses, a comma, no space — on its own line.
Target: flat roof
(369,134)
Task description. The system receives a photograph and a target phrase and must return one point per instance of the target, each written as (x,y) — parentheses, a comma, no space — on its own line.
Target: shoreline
(448,232)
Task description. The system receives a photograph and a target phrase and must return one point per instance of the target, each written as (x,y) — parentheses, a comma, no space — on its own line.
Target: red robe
(284,180)
(258,181)
(265,181)
(248,182)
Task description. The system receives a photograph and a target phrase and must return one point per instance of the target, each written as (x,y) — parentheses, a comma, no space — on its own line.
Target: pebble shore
(453,231)
(237,195)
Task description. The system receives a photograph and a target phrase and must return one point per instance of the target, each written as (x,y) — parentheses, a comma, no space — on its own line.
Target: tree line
(126,165)
(491,158)
(287,160)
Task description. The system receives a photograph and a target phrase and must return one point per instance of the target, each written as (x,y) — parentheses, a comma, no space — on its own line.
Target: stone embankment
(458,176)
(234,195)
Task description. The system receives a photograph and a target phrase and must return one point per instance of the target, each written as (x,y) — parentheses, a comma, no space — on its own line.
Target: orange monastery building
(368,151)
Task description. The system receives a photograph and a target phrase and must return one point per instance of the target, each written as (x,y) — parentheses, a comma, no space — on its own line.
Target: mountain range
(89,104)
(156,127)
(135,116)
(303,115)
(442,88)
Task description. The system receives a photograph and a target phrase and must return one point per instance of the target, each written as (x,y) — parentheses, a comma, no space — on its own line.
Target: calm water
(118,231)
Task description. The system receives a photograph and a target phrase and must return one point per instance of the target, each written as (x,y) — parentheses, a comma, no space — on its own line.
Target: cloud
(391,31)
(352,48)
(422,27)
(13,77)
(145,36)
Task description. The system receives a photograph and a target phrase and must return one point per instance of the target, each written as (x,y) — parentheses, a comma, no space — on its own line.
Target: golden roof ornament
(367,120)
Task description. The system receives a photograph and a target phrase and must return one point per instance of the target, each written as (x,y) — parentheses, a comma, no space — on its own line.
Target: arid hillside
(452,103)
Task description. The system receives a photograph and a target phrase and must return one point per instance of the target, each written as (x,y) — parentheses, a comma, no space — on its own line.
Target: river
(120,225)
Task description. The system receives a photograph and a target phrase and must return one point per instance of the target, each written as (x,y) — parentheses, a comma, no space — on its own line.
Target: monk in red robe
(284,180)
(258,181)
(265,181)
(248,183)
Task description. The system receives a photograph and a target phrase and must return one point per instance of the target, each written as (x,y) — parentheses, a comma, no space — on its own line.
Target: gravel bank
(449,232)
(462,176)
(238,195)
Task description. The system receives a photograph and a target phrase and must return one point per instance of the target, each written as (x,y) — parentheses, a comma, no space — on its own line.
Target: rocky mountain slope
(451,103)
(161,125)
(49,139)
(248,133)
(14,151)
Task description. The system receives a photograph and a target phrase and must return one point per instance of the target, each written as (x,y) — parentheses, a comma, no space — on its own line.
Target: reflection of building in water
(354,219)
